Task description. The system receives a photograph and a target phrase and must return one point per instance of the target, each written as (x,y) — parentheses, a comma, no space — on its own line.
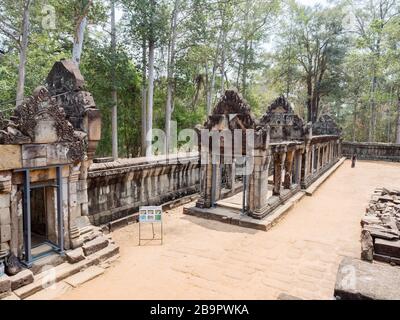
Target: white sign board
(150,214)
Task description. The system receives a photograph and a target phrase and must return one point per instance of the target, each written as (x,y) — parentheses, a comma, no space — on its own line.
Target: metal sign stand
(150,215)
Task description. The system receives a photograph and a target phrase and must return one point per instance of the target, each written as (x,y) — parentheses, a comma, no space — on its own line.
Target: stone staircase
(97,249)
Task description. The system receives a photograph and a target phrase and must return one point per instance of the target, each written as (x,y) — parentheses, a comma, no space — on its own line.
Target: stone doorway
(43,225)
(43,218)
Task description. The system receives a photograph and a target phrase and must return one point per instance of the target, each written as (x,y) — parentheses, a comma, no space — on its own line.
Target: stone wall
(117,189)
(372,151)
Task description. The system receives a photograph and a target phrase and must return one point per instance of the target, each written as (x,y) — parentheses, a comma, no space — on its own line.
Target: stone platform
(233,216)
(229,210)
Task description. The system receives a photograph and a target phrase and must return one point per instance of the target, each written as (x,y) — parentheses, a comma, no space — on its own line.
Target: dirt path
(204,259)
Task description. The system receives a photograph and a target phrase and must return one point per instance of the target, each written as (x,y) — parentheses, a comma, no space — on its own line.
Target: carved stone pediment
(232,105)
(60,113)
(284,123)
(326,125)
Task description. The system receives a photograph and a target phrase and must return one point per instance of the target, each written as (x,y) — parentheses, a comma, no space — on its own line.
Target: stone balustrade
(117,189)
(372,151)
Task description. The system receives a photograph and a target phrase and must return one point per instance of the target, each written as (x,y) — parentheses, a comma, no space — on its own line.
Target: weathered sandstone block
(5,285)
(94,245)
(74,256)
(21,279)
(388,248)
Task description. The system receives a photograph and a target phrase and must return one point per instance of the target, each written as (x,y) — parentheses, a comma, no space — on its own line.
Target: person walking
(353,160)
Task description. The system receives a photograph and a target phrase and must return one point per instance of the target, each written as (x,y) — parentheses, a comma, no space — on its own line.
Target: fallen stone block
(387,248)
(367,246)
(95,245)
(74,256)
(360,280)
(393,261)
(370,220)
(21,279)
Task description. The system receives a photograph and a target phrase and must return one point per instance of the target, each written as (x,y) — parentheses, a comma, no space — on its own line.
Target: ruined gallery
(205,150)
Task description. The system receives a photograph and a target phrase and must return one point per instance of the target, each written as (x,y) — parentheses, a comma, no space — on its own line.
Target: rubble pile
(380,236)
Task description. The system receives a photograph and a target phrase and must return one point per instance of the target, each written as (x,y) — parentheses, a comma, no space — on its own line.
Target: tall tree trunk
(79,34)
(23,53)
(354,121)
(144,97)
(210,91)
(223,53)
(398,119)
(245,50)
(150,97)
(309,99)
(114,115)
(78,41)
(372,124)
(171,71)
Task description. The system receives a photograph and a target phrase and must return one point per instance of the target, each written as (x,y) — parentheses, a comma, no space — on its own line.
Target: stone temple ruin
(288,156)
(46,147)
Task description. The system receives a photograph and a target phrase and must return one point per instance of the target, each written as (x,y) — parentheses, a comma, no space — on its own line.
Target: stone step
(52,292)
(95,245)
(65,270)
(81,277)
(21,279)
(52,259)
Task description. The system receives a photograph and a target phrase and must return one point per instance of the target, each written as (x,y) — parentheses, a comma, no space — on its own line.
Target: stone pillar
(258,184)
(205,184)
(233,176)
(278,167)
(299,166)
(5,214)
(288,169)
(305,165)
(313,159)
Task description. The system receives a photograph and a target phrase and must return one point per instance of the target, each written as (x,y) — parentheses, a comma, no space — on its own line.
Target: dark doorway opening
(39,216)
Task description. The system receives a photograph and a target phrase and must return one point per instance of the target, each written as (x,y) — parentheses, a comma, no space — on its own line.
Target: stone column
(233,176)
(305,164)
(288,169)
(313,159)
(278,167)
(205,184)
(299,166)
(5,214)
(258,184)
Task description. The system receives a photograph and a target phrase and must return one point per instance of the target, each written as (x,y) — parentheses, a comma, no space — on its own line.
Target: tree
(147,21)
(19,35)
(114,87)
(320,47)
(170,73)
(82,11)
(372,19)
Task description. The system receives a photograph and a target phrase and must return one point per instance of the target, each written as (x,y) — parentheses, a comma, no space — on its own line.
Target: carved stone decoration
(326,125)
(231,103)
(285,124)
(60,112)
(65,77)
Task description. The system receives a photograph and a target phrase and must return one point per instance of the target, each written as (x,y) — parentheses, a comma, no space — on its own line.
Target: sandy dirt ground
(202,259)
